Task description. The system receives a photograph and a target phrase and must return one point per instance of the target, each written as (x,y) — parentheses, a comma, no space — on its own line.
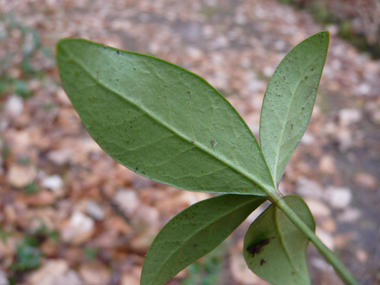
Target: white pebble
(338,198)
(95,211)
(127,200)
(308,188)
(349,116)
(349,215)
(53,182)
(318,208)
(14,105)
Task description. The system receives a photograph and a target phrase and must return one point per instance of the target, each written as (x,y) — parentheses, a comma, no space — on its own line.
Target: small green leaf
(193,233)
(162,121)
(275,249)
(289,100)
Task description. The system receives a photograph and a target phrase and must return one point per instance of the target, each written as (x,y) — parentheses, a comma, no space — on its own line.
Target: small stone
(63,98)
(333,29)
(307,139)
(375,116)
(329,225)
(194,53)
(341,240)
(94,274)
(70,278)
(14,105)
(149,215)
(327,164)
(365,180)
(240,19)
(48,273)
(318,209)
(79,228)
(256,102)
(280,45)
(268,71)
(3,278)
(344,137)
(338,198)
(61,156)
(21,175)
(363,89)
(253,84)
(349,116)
(349,215)
(53,182)
(95,211)
(128,279)
(361,255)
(308,188)
(127,200)
(241,273)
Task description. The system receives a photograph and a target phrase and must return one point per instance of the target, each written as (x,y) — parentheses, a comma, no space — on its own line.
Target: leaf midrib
(266,188)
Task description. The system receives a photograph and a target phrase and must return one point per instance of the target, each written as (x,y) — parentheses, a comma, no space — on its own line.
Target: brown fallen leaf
(43,198)
(49,272)
(94,273)
(365,180)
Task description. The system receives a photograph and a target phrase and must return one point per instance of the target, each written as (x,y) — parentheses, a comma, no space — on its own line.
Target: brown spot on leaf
(259,247)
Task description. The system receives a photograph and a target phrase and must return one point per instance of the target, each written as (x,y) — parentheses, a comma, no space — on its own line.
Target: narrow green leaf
(193,233)
(275,249)
(161,121)
(289,100)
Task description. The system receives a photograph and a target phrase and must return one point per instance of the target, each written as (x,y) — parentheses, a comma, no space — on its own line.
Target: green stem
(327,253)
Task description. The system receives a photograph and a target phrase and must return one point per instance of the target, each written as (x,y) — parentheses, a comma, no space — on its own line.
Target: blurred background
(69,214)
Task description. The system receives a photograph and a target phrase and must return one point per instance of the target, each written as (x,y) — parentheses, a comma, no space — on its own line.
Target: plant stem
(327,253)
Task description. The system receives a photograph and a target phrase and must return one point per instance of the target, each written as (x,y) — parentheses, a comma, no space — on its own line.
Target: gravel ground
(235,46)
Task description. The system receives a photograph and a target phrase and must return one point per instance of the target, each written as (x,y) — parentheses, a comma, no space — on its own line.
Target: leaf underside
(289,100)
(193,233)
(169,125)
(275,249)
(161,121)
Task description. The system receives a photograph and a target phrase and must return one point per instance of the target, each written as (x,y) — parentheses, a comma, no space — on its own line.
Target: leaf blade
(289,100)
(280,247)
(193,233)
(161,121)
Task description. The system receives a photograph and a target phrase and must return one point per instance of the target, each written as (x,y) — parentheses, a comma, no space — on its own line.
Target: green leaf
(193,233)
(289,100)
(161,121)
(275,249)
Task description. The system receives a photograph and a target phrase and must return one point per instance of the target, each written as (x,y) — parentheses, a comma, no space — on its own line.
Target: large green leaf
(289,100)
(275,249)
(193,233)
(161,121)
